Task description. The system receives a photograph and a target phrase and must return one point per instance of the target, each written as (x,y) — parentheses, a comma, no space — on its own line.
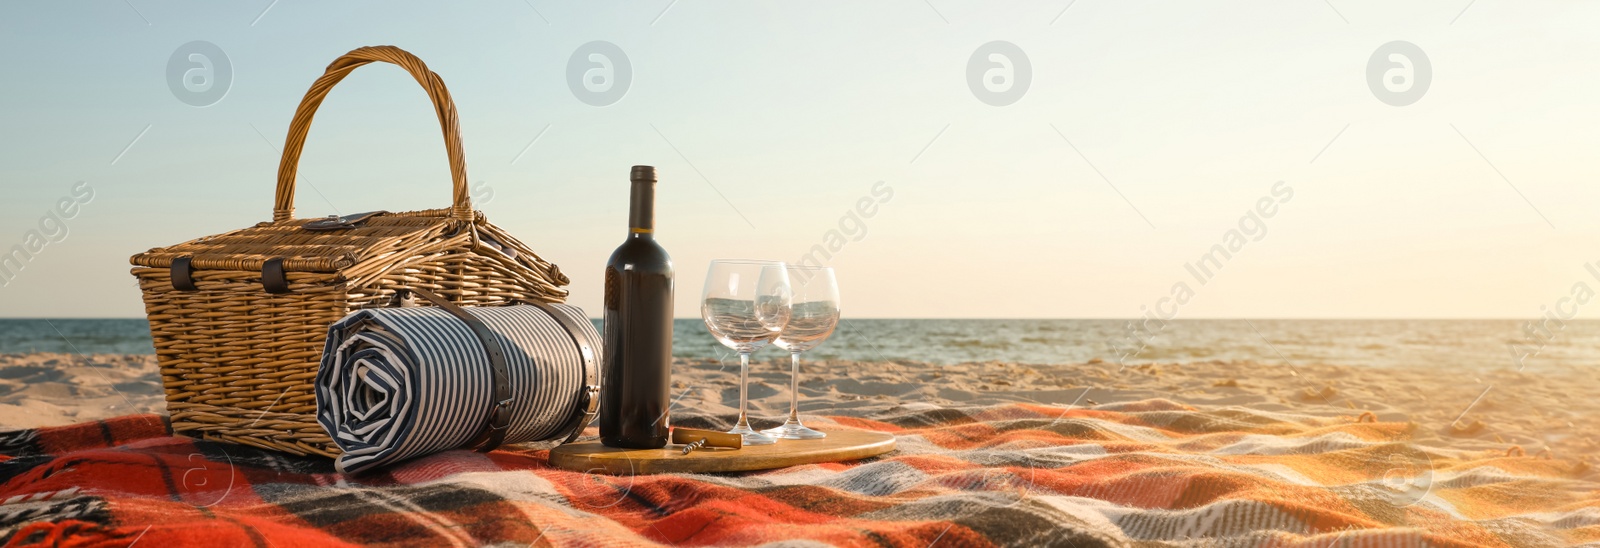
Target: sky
(1062,159)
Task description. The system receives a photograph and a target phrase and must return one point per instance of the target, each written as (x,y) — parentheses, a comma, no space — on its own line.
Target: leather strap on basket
(274,279)
(589,396)
(495,426)
(461,203)
(183,274)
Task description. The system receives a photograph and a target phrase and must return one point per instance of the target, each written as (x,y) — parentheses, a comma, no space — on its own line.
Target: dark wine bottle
(638,329)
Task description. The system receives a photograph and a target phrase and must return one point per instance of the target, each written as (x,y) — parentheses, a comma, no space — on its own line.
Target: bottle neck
(642,210)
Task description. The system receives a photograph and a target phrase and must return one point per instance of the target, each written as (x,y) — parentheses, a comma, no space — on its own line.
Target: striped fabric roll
(397,383)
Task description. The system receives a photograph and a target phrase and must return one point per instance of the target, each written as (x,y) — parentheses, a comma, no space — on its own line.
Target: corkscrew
(694,439)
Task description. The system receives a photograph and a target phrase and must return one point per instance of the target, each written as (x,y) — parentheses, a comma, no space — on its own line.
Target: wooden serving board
(840,445)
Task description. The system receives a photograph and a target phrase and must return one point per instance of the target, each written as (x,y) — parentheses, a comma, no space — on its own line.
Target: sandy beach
(48,389)
(1491,413)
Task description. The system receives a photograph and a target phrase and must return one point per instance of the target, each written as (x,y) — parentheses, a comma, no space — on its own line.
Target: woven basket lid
(306,250)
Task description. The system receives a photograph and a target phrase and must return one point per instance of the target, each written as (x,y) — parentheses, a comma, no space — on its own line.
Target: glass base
(793,430)
(752,437)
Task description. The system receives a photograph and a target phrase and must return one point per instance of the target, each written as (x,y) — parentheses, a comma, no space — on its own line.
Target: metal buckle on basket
(333,222)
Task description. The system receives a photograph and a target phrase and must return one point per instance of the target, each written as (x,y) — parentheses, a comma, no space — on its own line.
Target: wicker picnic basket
(239,319)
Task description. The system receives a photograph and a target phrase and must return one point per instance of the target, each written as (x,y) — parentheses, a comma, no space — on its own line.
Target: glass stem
(744,382)
(794,387)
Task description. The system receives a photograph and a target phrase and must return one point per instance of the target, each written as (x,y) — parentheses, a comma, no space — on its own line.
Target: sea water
(1466,344)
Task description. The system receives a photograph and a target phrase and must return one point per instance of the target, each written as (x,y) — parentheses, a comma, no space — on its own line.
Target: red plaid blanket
(1150,473)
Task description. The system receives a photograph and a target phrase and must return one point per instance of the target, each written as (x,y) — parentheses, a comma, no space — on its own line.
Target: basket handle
(461,208)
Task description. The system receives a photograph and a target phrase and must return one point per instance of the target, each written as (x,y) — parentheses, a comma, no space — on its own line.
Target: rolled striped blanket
(397,383)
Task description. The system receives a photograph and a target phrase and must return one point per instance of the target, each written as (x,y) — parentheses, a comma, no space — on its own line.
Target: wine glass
(745,305)
(814,315)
